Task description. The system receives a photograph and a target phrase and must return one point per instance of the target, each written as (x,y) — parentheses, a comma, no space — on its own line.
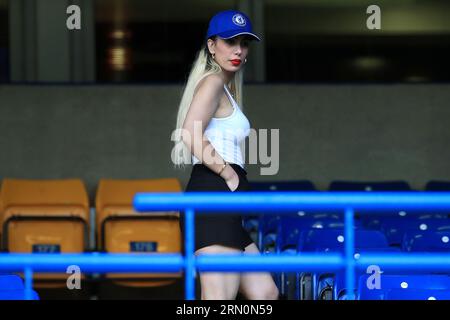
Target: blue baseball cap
(230,23)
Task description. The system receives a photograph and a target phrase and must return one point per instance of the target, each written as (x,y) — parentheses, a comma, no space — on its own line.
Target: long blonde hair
(203,66)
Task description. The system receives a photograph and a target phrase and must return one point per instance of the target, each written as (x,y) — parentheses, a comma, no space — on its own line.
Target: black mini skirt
(217,229)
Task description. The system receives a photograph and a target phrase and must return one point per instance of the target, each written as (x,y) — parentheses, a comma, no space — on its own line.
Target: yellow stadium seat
(1,218)
(45,216)
(120,229)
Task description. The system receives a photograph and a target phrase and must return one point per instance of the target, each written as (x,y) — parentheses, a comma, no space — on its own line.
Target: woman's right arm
(204,104)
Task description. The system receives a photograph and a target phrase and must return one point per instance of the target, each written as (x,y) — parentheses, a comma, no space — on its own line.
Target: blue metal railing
(248,203)
(286,202)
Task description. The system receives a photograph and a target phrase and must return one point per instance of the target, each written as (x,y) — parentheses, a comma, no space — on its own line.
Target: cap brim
(232,34)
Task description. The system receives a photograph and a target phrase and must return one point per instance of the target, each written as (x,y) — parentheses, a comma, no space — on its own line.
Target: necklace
(231,92)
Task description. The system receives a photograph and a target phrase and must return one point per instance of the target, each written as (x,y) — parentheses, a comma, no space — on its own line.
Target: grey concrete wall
(327,132)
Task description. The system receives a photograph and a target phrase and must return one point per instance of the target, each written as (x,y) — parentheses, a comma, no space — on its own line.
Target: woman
(210,129)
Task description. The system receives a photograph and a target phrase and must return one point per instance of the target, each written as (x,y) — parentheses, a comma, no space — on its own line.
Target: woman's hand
(233,182)
(231,178)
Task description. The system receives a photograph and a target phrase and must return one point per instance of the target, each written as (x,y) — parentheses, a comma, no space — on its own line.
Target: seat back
(426,241)
(290,228)
(438,185)
(343,185)
(45,216)
(417,294)
(324,240)
(287,185)
(267,223)
(396,227)
(10,282)
(120,229)
(400,282)
(373,221)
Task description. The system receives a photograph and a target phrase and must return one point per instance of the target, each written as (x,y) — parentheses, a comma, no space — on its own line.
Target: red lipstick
(235,62)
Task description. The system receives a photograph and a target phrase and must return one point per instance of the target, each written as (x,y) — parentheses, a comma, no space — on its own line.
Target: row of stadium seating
(54,216)
(394,225)
(276,233)
(398,231)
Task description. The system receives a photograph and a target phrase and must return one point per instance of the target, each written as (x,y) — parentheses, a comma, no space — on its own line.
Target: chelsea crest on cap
(229,24)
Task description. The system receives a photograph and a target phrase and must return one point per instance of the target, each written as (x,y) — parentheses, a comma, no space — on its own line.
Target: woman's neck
(227,77)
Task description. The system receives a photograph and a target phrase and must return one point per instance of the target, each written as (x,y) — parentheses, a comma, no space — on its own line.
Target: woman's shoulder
(211,81)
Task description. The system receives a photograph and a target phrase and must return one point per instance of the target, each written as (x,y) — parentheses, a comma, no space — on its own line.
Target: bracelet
(223,167)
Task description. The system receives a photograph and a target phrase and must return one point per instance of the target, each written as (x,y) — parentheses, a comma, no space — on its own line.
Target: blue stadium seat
(263,227)
(10,282)
(322,240)
(342,185)
(396,227)
(263,223)
(417,294)
(12,288)
(427,241)
(373,221)
(377,221)
(250,224)
(438,185)
(289,185)
(286,239)
(340,291)
(289,228)
(401,282)
(267,231)
(286,228)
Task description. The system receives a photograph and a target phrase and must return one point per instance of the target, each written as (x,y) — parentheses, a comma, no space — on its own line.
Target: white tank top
(226,134)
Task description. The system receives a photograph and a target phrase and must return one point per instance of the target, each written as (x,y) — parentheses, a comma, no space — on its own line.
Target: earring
(245,61)
(214,56)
